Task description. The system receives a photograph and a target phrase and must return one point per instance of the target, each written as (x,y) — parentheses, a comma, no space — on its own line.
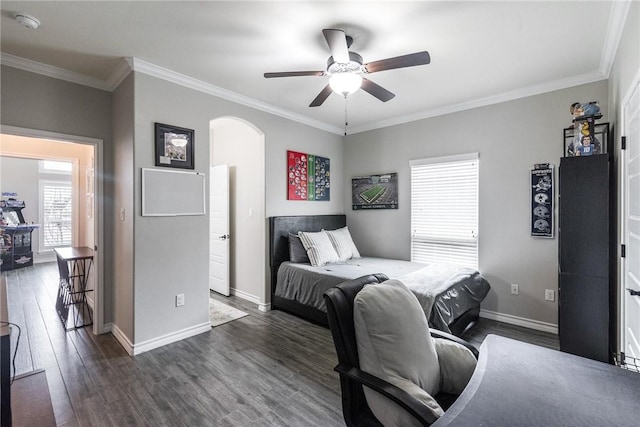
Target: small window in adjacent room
(444,210)
(56,206)
(55,166)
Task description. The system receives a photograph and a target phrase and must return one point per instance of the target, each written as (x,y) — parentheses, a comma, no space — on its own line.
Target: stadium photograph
(375,191)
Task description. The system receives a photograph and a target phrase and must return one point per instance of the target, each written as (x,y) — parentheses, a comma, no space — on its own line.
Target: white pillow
(393,342)
(318,247)
(343,243)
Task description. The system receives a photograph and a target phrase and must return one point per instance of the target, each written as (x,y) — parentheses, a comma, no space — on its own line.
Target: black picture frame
(375,191)
(174,146)
(542,201)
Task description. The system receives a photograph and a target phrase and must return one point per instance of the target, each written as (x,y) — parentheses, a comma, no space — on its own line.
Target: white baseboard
(106,328)
(134,349)
(171,338)
(244,295)
(252,298)
(520,321)
(122,339)
(44,258)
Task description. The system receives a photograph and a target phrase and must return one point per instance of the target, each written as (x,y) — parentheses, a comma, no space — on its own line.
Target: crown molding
(134,64)
(144,67)
(51,71)
(121,71)
(617,18)
(483,102)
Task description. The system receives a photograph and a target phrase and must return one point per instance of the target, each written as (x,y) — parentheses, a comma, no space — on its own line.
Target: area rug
(221,313)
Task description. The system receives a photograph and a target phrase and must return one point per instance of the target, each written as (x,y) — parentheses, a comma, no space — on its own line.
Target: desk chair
(358,311)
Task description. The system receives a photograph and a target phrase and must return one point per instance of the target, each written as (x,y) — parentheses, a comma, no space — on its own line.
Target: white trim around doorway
(98,144)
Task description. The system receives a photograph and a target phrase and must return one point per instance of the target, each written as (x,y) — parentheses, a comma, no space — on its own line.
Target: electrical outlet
(549,295)
(179,300)
(122,213)
(515,289)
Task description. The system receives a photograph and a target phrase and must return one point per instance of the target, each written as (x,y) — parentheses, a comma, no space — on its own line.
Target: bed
(450,296)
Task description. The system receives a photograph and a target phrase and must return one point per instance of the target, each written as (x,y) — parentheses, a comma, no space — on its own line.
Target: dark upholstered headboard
(281,226)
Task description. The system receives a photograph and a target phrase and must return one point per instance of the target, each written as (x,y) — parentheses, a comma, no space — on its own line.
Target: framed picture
(308,177)
(542,211)
(174,146)
(375,191)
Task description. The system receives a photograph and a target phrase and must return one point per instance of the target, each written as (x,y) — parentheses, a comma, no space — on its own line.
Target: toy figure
(585,149)
(583,111)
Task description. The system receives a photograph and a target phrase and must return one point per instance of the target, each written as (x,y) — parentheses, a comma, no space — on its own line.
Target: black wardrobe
(587,267)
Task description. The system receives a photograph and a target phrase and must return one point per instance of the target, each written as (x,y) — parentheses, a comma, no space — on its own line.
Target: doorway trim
(622,217)
(98,146)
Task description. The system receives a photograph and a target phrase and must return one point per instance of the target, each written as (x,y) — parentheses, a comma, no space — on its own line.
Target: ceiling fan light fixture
(345,83)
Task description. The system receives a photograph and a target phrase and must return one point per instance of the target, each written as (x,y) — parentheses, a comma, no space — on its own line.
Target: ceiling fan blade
(411,60)
(294,74)
(376,90)
(322,96)
(337,41)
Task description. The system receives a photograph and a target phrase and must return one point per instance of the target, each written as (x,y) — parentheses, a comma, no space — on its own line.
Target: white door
(631,236)
(219,229)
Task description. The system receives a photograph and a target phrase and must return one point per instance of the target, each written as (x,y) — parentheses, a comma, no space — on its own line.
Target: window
(55,166)
(444,210)
(57,214)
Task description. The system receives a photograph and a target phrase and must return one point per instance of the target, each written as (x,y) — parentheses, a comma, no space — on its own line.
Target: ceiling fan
(346,69)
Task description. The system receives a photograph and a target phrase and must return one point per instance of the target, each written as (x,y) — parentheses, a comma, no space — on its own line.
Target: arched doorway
(241,145)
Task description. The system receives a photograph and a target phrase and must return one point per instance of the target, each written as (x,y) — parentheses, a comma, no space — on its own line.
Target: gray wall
(510,138)
(171,253)
(123,199)
(34,101)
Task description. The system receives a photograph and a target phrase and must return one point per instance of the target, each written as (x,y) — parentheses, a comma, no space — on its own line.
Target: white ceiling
(481,51)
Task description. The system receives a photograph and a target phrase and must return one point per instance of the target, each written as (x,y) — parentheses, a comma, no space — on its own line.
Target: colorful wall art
(308,177)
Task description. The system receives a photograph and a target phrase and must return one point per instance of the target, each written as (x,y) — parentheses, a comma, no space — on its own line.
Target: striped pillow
(343,243)
(318,247)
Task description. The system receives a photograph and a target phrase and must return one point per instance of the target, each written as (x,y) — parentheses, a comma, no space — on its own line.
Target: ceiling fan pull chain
(346,121)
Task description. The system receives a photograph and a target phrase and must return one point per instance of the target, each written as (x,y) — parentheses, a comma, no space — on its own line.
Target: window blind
(57,213)
(444,210)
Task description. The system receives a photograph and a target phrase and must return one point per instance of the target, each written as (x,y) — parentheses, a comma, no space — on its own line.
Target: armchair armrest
(396,394)
(440,334)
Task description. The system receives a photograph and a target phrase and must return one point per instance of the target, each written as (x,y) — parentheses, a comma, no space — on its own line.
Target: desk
(520,384)
(74,266)
(5,358)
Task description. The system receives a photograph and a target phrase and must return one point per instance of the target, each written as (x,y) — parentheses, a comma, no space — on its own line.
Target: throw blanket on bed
(444,291)
(441,284)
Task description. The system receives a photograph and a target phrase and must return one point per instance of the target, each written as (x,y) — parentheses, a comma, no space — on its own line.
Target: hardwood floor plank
(60,401)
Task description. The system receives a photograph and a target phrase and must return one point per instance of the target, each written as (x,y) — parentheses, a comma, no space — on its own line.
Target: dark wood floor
(266,369)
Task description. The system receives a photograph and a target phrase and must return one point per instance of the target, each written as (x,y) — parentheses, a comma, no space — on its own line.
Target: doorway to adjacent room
(240,145)
(77,185)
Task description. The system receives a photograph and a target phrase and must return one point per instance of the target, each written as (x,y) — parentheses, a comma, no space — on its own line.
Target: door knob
(224,237)
(634,293)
